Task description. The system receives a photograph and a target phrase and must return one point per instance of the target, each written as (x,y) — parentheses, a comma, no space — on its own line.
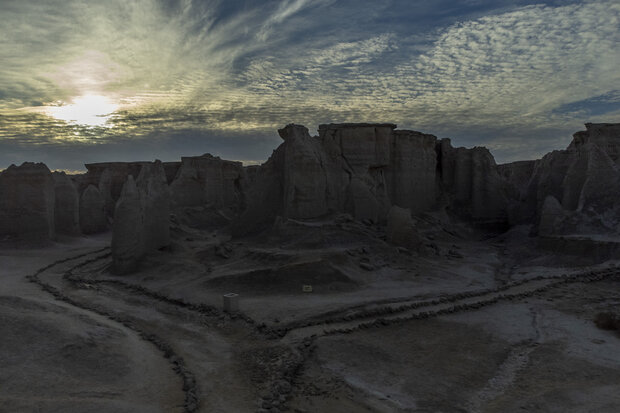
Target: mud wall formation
(361,169)
(583,180)
(365,169)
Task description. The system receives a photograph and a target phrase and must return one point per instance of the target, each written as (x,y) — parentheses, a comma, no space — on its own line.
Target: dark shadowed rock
(551,217)
(471,185)
(208,180)
(127,229)
(27,203)
(364,169)
(156,206)
(112,175)
(66,206)
(401,230)
(105,189)
(93,218)
(584,178)
(141,218)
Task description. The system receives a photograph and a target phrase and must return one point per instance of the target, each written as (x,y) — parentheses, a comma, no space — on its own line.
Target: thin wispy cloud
(514,76)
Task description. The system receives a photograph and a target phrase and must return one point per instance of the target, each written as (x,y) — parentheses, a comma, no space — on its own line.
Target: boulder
(93,217)
(27,202)
(66,205)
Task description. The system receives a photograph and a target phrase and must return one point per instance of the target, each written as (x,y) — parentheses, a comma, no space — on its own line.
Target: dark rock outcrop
(127,229)
(401,230)
(208,180)
(141,218)
(66,205)
(93,218)
(584,178)
(365,169)
(27,203)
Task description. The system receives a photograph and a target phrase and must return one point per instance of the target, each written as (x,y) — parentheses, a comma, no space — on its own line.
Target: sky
(120,80)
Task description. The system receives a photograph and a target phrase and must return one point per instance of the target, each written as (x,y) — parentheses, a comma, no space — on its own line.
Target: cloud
(519,78)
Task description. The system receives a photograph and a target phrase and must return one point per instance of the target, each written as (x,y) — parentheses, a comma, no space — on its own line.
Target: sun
(88,110)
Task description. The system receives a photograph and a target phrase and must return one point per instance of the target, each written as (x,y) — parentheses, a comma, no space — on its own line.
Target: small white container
(231,302)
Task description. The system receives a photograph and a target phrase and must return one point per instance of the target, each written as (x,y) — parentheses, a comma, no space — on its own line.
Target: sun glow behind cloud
(87,110)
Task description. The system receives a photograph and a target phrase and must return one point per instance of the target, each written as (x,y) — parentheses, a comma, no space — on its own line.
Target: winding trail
(372,315)
(41,277)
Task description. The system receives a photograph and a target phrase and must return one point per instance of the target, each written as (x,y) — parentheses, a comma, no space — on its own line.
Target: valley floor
(466,324)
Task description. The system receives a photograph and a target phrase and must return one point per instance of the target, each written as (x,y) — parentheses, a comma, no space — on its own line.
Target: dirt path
(375,316)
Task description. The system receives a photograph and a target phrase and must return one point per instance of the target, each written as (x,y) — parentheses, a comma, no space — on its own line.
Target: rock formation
(517,176)
(66,206)
(372,172)
(471,185)
(109,178)
(364,169)
(141,218)
(584,179)
(27,203)
(551,217)
(93,217)
(400,228)
(208,180)
(127,229)
(155,202)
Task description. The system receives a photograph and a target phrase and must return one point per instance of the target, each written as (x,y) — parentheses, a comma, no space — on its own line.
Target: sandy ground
(56,357)
(469,323)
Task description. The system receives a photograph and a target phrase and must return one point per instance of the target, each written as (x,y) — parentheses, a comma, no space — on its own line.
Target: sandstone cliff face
(27,203)
(471,185)
(127,233)
(109,178)
(66,205)
(584,178)
(155,196)
(365,169)
(208,180)
(141,218)
(517,177)
(412,171)
(401,230)
(93,218)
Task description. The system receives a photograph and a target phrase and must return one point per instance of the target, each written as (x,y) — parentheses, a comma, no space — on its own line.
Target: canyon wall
(365,170)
